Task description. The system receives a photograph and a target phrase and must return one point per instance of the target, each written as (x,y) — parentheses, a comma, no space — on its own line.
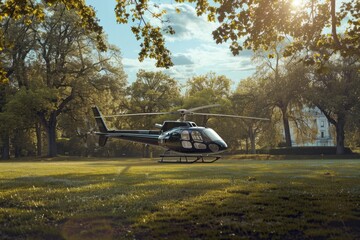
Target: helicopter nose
(223,146)
(218,146)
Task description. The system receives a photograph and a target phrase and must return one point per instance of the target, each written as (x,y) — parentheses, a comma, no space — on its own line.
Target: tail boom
(140,136)
(101,125)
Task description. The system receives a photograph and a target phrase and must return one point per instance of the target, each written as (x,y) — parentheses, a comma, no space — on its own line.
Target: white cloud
(187,25)
(181,59)
(218,58)
(198,60)
(203,54)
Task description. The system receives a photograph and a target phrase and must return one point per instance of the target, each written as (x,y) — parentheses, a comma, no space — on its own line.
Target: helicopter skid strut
(186,159)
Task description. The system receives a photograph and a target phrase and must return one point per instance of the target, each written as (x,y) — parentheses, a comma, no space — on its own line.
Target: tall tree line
(51,64)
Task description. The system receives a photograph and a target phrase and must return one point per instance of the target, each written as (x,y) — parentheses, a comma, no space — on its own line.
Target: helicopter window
(175,135)
(185,135)
(170,125)
(186,144)
(212,134)
(199,146)
(196,136)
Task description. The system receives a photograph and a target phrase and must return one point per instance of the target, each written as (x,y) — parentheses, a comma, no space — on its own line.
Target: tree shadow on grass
(199,202)
(91,204)
(259,209)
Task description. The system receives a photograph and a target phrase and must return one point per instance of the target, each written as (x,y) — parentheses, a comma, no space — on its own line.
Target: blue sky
(194,52)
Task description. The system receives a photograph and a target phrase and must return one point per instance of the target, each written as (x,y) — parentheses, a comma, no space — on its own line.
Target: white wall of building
(323,136)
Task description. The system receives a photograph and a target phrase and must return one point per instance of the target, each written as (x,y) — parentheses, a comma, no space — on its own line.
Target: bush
(306,151)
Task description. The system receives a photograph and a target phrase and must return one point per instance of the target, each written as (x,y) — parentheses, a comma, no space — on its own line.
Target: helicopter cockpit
(193,139)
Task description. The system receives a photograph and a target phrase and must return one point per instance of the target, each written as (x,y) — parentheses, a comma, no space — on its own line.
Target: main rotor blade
(226,115)
(135,114)
(202,107)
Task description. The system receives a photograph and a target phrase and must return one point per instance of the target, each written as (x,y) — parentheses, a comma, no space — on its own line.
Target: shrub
(306,151)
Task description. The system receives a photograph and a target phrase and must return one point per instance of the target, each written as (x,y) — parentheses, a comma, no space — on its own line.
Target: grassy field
(142,199)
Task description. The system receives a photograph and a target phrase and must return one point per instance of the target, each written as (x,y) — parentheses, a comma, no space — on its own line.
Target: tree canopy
(336,94)
(52,63)
(312,28)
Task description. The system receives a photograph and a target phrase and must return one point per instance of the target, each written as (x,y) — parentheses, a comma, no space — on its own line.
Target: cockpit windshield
(212,134)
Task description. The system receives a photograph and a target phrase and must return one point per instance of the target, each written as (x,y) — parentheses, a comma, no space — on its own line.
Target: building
(320,131)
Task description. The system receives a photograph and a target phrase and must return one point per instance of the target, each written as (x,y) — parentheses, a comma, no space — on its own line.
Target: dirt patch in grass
(88,228)
(105,228)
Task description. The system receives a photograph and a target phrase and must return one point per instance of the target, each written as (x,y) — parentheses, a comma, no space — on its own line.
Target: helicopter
(182,139)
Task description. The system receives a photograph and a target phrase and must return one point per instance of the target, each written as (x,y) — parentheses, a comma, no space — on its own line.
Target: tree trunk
(286,127)
(252,140)
(147,151)
(16,144)
(38,139)
(247,145)
(340,136)
(51,132)
(340,130)
(6,147)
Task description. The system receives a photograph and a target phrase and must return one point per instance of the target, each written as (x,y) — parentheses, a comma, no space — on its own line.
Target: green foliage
(246,24)
(219,86)
(285,80)
(57,67)
(336,92)
(211,89)
(264,23)
(153,45)
(151,92)
(249,99)
(34,11)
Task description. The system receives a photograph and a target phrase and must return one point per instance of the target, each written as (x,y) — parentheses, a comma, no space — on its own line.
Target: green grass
(142,199)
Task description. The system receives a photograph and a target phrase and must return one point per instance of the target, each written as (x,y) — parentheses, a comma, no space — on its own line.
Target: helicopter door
(173,140)
(185,139)
(198,140)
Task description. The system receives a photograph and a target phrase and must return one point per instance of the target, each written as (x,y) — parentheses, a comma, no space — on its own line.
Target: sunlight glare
(297,3)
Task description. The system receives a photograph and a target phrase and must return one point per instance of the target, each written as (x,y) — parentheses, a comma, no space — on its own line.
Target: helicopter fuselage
(179,136)
(192,140)
(182,139)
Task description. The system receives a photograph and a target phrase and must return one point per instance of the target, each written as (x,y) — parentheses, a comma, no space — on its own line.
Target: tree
(206,90)
(4,120)
(151,92)
(77,125)
(14,61)
(32,10)
(259,24)
(247,24)
(249,100)
(63,64)
(20,37)
(284,82)
(210,89)
(70,65)
(335,91)
(220,85)
(20,112)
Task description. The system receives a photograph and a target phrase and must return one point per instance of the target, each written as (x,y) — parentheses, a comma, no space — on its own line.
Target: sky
(194,52)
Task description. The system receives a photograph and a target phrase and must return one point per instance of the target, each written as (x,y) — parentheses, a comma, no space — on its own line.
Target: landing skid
(187,158)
